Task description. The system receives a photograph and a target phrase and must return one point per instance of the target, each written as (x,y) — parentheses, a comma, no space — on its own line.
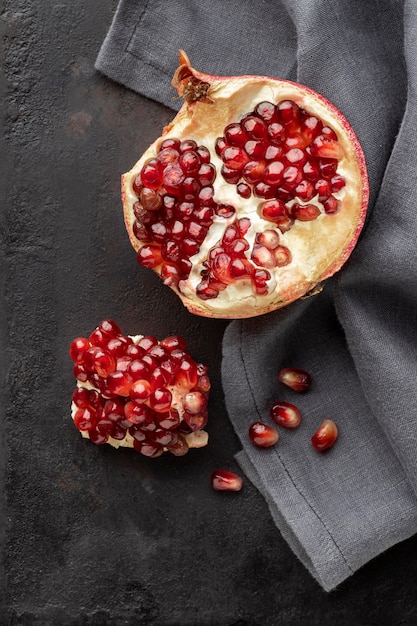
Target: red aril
(225,480)
(236,144)
(295,378)
(153,397)
(262,435)
(286,414)
(325,436)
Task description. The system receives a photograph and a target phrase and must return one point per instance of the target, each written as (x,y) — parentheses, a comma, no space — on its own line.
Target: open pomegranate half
(138,392)
(254,194)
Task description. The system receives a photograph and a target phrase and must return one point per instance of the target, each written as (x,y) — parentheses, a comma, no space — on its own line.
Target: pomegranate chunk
(291,164)
(225,480)
(139,392)
(325,436)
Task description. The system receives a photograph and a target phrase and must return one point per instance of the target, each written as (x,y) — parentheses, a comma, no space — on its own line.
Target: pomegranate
(254,194)
(138,392)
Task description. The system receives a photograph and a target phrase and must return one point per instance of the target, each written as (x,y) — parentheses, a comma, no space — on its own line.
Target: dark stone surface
(91,535)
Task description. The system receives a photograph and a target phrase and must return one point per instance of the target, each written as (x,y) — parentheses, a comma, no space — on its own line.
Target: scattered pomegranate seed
(225,480)
(325,436)
(286,414)
(262,435)
(297,379)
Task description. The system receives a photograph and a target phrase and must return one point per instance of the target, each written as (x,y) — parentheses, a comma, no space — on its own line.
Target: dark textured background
(91,535)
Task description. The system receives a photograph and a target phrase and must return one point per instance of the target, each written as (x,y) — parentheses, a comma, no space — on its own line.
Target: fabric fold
(357,338)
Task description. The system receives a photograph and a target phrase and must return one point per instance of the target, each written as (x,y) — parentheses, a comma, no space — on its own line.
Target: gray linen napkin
(340,509)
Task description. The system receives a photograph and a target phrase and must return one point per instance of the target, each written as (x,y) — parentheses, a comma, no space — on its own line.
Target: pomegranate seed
(219,145)
(140,391)
(225,480)
(187,145)
(166,156)
(305,190)
(325,436)
(173,342)
(260,278)
(266,111)
(311,126)
(291,177)
(285,414)
(273,153)
(295,155)
(97,437)
(80,372)
(135,413)
(297,379)
(225,210)
(148,449)
(268,238)
(85,418)
(149,256)
(277,212)
(179,448)
(189,163)
(282,256)
(151,199)
(187,374)
(151,174)
(103,362)
(119,383)
(194,402)
(169,419)
(273,172)
(305,212)
(114,409)
(160,400)
(235,135)
(117,346)
(255,149)
(311,170)
(137,185)
(173,177)
(262,435)
(322,187)
(276,133)
(254,127)
(253,171)
(81,397)
(234,157)
(163,437)
(231,176)
(206,174)
(170,142)
(110,328)
(78,347)
(289,112)
(326,147)
(244,190)
(331,205)
(203,154)
(263,190)
(263,256)
(195,422)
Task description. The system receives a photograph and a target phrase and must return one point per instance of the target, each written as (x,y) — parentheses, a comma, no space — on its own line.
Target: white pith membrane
(318,247)
(193,439)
